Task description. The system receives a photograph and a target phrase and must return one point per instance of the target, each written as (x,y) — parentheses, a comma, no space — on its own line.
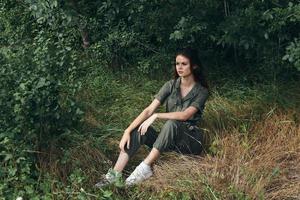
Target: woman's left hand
(145,125)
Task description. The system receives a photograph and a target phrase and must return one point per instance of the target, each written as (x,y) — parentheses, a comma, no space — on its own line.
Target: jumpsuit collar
(191,93)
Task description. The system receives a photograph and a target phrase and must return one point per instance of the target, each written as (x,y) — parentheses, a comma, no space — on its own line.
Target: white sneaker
(141,173)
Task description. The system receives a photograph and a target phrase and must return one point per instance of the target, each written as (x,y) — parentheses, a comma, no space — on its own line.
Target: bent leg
(136,140)
(152,157)
(121,162)
(168,135)
(179,136)
(165,140)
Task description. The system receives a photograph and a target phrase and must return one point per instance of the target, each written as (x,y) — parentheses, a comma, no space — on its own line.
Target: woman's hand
(125,140)
(145,125)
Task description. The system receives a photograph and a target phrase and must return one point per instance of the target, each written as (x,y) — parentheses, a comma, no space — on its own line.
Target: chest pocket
(188,102)
(172,103)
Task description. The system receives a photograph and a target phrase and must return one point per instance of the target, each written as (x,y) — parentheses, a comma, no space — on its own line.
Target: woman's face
(183,66)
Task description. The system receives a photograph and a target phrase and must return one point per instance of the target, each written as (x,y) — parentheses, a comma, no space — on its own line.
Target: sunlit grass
(264,165)
(247,131)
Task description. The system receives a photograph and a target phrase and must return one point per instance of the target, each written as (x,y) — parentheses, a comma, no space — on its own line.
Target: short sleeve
(164,92)
(200,99)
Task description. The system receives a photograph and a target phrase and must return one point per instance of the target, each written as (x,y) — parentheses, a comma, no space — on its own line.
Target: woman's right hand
(125,140)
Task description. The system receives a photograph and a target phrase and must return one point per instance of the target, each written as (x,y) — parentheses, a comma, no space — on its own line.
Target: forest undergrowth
(252,137)
(74,74)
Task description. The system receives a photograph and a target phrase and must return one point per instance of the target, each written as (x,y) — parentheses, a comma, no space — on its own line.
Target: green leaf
(285,57)
(176,35)
(41,83)
(107,193)
(266,35)
(40,20)
(79,112)
(22,86)
(8,157)
(55,3)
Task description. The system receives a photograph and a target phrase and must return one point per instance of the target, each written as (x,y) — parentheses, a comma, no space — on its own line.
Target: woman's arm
(145,114)
(182,116)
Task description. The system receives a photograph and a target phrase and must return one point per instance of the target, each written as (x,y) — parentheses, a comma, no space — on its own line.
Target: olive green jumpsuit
(180,136)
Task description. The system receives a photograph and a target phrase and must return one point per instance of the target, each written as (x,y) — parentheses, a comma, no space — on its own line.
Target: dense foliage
(38,82)
(48,47)
(250,36)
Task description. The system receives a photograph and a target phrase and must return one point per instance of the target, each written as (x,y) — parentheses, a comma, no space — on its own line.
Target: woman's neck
(188,81)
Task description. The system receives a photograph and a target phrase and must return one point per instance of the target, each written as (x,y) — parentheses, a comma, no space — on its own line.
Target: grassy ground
(252,138)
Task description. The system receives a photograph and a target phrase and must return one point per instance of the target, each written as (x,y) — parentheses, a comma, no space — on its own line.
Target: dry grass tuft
(263,164)
(85,157)
(89,158)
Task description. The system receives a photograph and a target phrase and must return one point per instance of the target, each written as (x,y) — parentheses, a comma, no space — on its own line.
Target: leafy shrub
(38,76)
(293,53)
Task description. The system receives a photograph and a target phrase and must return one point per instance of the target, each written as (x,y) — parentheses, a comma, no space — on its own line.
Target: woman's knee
(167,136)
(134,131)
(171,124)
(170,129)
(136,140)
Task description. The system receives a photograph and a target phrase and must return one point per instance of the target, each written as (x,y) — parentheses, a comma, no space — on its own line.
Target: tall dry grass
(250,152)
(263,164)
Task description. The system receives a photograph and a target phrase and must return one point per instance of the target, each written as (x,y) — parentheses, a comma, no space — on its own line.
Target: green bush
(293,54)
(38,75)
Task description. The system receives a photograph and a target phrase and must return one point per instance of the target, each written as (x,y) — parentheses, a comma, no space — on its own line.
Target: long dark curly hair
(197,71)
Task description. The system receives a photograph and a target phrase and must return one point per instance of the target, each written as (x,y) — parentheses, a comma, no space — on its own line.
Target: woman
(185,97)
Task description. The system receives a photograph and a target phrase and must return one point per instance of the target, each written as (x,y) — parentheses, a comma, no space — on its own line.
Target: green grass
(112,101)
